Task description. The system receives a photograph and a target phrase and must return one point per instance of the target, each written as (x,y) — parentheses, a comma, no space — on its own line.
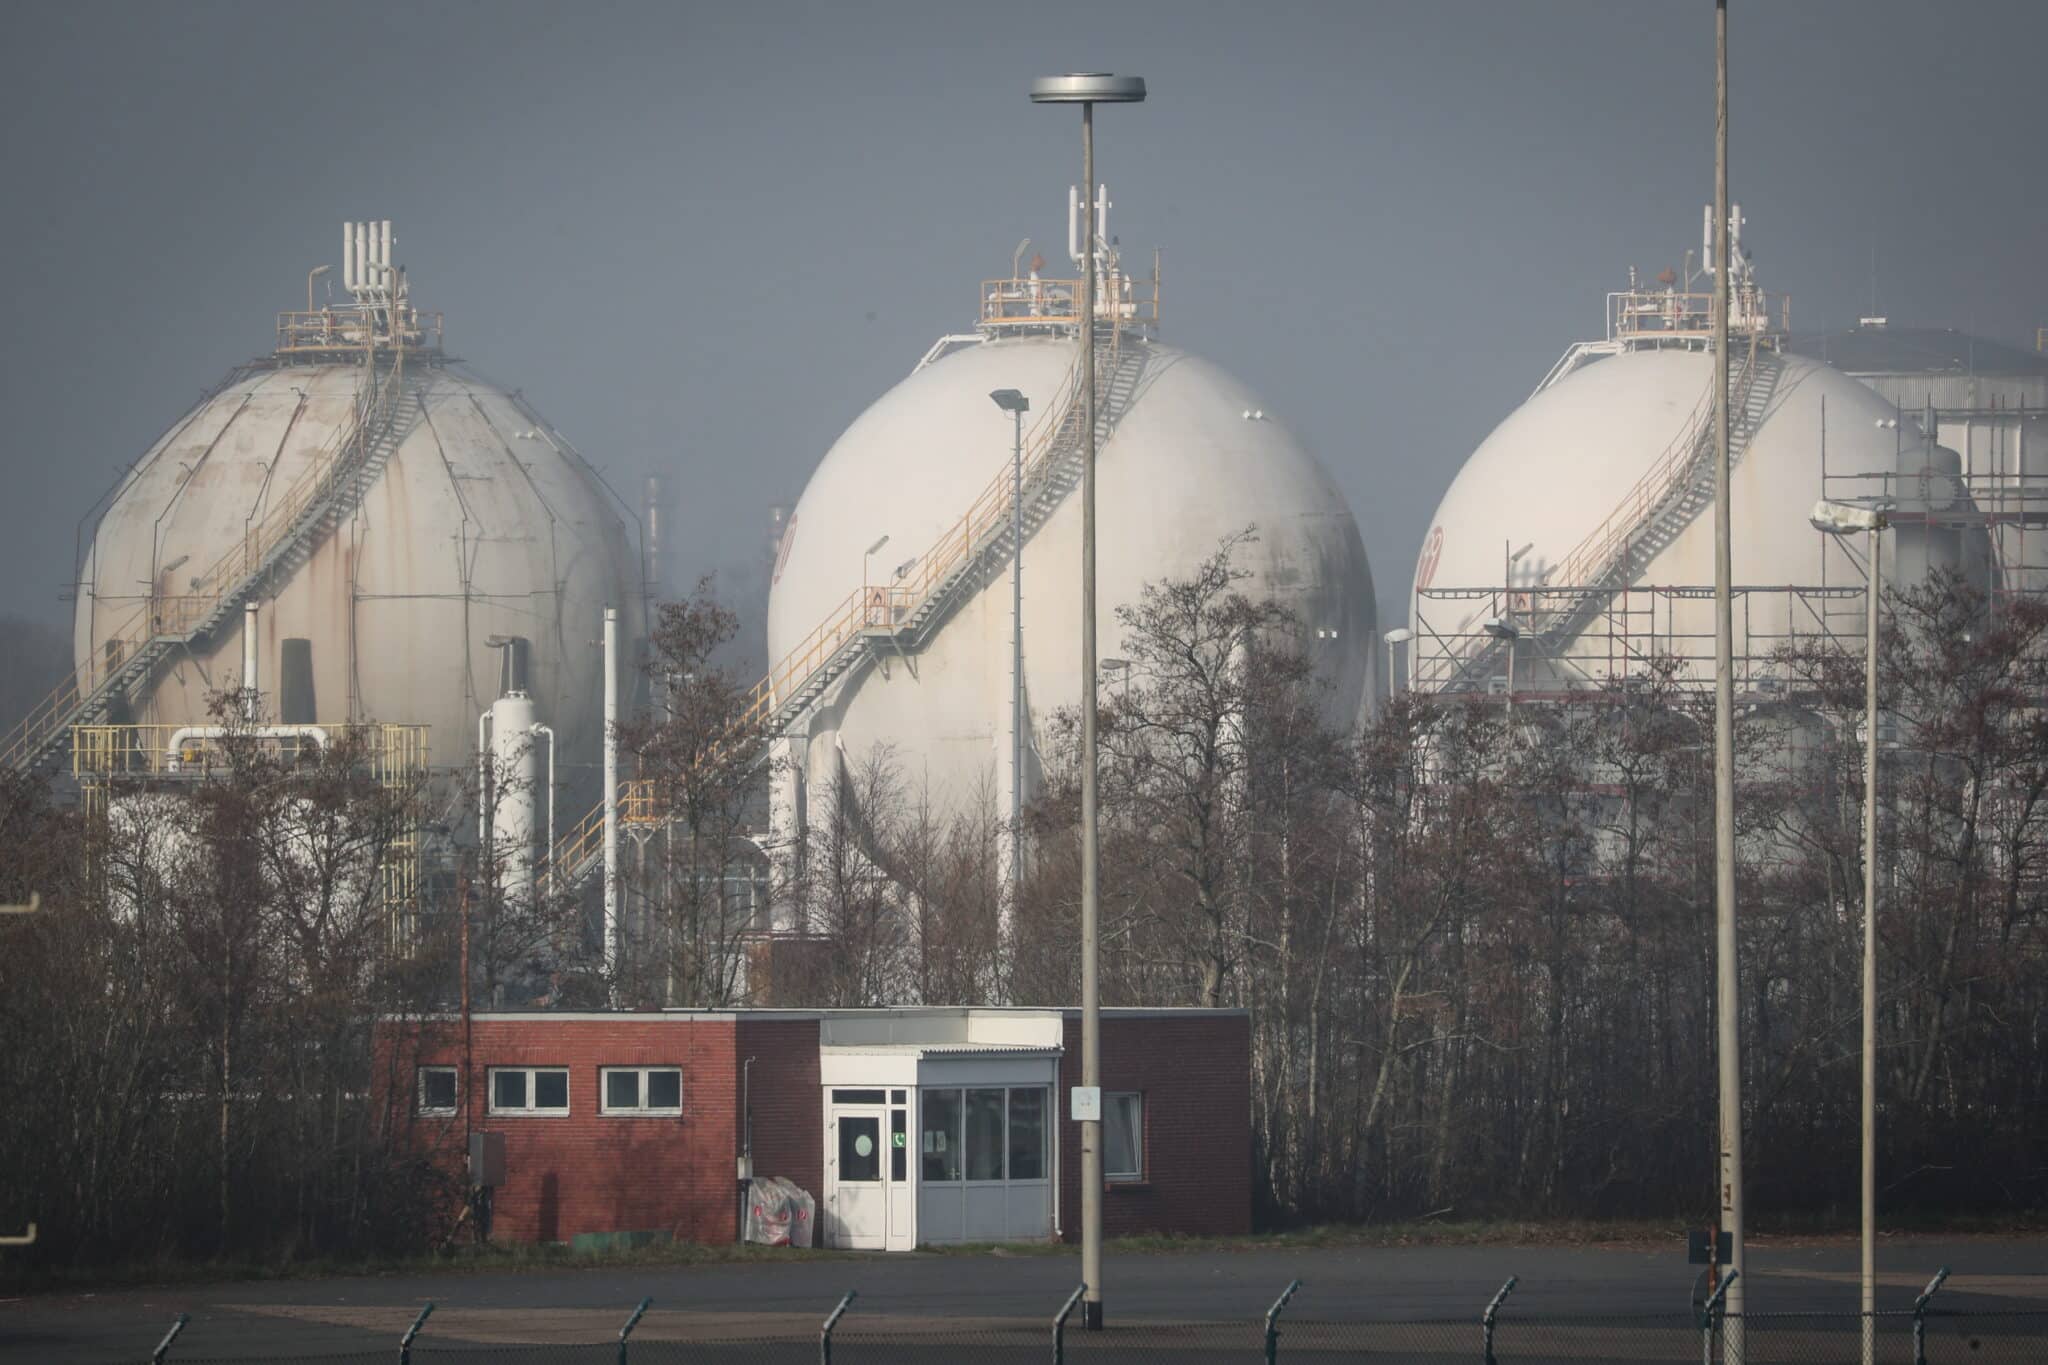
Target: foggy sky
(703,237)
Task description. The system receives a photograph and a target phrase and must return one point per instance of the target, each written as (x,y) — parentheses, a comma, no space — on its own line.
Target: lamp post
(1016,404)
(1400,635)
(1089,90)
(1727,992)
(1845,519)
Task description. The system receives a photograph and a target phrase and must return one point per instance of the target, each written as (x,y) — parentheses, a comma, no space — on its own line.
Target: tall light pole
(1089,90)
(1727,998)
(1016,404)
(1400,635)
(1846,519)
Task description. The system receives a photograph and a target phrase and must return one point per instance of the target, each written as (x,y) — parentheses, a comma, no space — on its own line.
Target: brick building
(908,1126)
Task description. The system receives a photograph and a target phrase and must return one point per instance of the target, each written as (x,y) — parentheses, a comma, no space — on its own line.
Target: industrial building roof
(1885,349)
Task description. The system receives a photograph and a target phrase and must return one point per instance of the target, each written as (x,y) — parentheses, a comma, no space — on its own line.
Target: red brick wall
(789,1115)
(1195,1073)
(589,1172)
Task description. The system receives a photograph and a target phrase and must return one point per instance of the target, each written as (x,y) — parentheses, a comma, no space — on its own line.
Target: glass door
(856,1161)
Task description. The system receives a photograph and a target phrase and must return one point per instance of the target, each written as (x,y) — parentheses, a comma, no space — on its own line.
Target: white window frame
(642,1110)
(530,1109)
(1138,1176)
(420,1105)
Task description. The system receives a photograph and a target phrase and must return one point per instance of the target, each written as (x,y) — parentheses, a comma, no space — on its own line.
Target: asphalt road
(489,1312)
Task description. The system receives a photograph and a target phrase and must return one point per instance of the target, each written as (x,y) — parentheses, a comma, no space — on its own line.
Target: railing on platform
(879,606)
(177,616)
(873,607)
(353,328)
(637,806)
(391,753)
(1671,314)
(1590,559)
(1032,302)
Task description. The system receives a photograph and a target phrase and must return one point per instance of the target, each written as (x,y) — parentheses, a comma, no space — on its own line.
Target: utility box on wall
(486,1160)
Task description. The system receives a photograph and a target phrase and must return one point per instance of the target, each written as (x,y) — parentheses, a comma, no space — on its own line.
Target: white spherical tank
(473,521)
(1578,465)
(1193,457)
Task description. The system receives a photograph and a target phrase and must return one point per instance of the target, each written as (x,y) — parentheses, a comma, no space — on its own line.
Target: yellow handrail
(885,606)
(176,615)
(875,607)
(1600,546)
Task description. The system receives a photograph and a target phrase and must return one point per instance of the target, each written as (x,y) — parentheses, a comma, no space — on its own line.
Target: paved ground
(280,1320)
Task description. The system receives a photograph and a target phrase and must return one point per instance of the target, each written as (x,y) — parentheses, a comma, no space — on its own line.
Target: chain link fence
(1925,1334)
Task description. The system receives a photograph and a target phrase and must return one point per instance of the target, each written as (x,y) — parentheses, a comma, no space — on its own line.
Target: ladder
(1676,488)
(294,525)
(905,614)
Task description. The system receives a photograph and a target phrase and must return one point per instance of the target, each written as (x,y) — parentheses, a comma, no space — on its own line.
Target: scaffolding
(112,761)
(2000,489)
(1630,632)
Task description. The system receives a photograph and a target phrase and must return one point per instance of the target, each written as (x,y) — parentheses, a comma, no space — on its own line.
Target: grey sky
(703,237)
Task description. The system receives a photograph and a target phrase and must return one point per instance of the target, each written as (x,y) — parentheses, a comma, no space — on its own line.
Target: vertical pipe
(537,731)
(348,256)
(1873,592)
(1728,1001)
(1091,1009)
(384,251)
(483,782)
(250,682)
(611,797)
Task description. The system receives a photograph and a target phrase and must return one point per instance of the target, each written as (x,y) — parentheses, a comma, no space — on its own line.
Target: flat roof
(1915,350)
(684,1015)
(941,1050)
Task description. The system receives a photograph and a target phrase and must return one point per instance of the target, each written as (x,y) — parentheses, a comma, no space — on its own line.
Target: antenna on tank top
(1102,207)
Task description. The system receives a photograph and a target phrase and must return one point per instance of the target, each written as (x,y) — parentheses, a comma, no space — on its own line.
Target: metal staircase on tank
(1678,486)
(904,614)
(295,524)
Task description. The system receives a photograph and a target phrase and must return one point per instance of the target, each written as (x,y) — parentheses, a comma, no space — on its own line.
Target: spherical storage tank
(471,523)
(1192,456)
(1580,465)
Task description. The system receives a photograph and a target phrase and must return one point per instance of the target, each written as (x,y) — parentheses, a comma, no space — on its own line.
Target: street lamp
(1088,90)
(1016,404)
(1727,969)
(1400,635)
(1846,519)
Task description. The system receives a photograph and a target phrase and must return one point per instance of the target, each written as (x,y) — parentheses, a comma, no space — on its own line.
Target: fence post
(1059,1325)
(1486,1322)
(163,1348)
(1920,1316)
(825,1332)
(1273,1322)
(405,1342)
(631,1323)
(1708,1309)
